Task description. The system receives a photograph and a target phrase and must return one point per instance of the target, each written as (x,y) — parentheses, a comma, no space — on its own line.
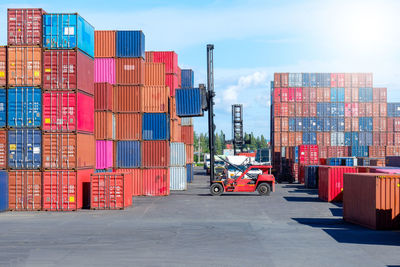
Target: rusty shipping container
(104,44)
(24,66)
(68,151)
(154,99)
(137,180)
(68,70)
(103,97)
(3,66)
(372,200)
(24,26)
(104,125)
(156,182)
(154,74)
(25,190)
(130,71)
(187,135)
(128,126)
(127,98)
(64,190)
(155,154)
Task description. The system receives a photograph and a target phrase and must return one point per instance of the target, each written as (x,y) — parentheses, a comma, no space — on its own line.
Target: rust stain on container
(24,190)
(154,74)
(103,125)
(128,126)
(154,99)
(127,98)
(24,66)
(130,71)
(104,44)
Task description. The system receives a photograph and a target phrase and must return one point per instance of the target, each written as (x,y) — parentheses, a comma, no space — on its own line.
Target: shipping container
(104,70)
(156,182)
(371,200)
(330,187)
(155,126)
(189,102)
(68,151)
(359,151)
(24,26)
(128,126)
(68,31)
(178,178)
(110,191)
(104,154)
(187,78)
(104,123)
(130,44)
(189,154)
(104,44)
(177,154)
(3,66)
(3,107)
(3,149)
(3,191)
(311,176)
(137,180)
(130,71)
(171,80)
(187,134)
(175,131)
(24,190)
(154,74)
(68,70)
(179,74)
(24,149)
(24,107)
(65,190)
(24,66)
(190,173)
(103,97)
(170,59)
(68,111)
(154,99)
(128,154)
(155,154)
(189,121)
(127,98)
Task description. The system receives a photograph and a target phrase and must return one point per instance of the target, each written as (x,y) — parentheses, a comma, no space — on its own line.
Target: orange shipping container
(347,95)
(368,109)
(24,66)
(392,150)
(284,139)
(320,94)
(103,125)
(291,109)
(189,154)
(299,110)
(3,66)
(3,149)
(130,71)
(187,135)
(154,74)
(327,139)
(347,124)
(377,151)
(176,131)
(320,139)
(128,126)
(347,80)
(155,154)
(104,44)
(354,94)
(149,55)
(277,124)
(172,108)
(285,124)
(299,138)
(375,109)
(354,125)
(68,151)
(383,109)
(327,94)
(372,200)
(127,98)
(277,139)
(154,99)
(292,139)
(24,190)
(376,95)
(137,180)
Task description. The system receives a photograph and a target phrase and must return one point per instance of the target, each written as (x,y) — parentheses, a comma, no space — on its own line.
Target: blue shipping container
(365,139)
(334,162)
(340,94)
(24,149)
(334,94)
(313,80)
(129,154)
(320,109)
(299,124)
(365,124)
(306,80)
(341,125)
(327,125)
(155,126)
(313,124)
(327,110)
(187,78)
(355,139)
(347,139)
(306,124)
(340,109)
(311,177)
(292,124)
(189,102)
(393,109)
(3,191)
(24,107)
(320,125)
(334,124)
(130,44)
(296,154)
(68,31)
(306,138)
(189,175)
(359,151)
(319,79)
(313,138)
(334,110)
(3,107)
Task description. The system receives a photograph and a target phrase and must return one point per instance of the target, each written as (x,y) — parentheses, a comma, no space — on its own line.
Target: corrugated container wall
(24,26)
(170,58)
(24,66)
(3,191)
(103,97)
(104,125)
(186,121)
(154,99)
(330,187)
(3,108)
(3,66)
(189,171)
(104,70)
(128,126)
(128,154)
(68,31)
(24,107)
(178,154)
(127,98)
(189,102)
(187,134)
(104,154)
(187,78)
(130,44)
(178,178)
(25,190)
(156,126)
(137,180)
(24,149)
(155,154)
(156,182)
(3,149)
(104,44)
(154,73)
(130,71)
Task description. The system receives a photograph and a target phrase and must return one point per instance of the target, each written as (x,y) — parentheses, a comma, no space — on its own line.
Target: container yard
(113,146)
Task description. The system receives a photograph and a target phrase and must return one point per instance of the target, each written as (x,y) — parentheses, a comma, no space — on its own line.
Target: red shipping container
(320,94)
(383,139)
(68,111)
(347,124)
(347,110)
(376,95)
(299,138)
(291,94)
(156,182)
(299,94)
(284,79)
(376,124)
(368,80)
(327,139)
(306,109)
(299,110)
(390,124)
(292,139)
(187,135)
(308,154)
(63,190)
(313,95)
(277,139)
(332,152)
(396,124)
(171,80)
(179,78)
(397,139)
(313,109)
(170,58)
(24,26)
(68,70)
(155,154)
(377,151)
(306,94)
(284,94)
(368,110)
(330,186)
(383,109)
(383,95)
(103,97)
(292,109)
(277,95)
(3,66)
(130,71)
(334,80)
(3,149)
(137,180)
(302,172)
(372,200)
(284,110)
(382,126)
(347,95)
(323,153)
(354,94)
(375,109)
(390,139)
(340,80)
(277,80)
(285,124)
(376,139)
(110,191)
(327,94)
(284,139)
(361,109)
(320,139)
(24,190)
(277,124)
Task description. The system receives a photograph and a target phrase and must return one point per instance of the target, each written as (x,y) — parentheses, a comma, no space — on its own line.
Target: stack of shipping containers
(317,116)
(68,111)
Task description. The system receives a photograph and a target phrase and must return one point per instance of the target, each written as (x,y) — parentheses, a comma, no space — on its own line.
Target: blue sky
(253,39)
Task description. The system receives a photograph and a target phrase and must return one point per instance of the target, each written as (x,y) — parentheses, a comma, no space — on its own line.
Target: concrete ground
(289,228)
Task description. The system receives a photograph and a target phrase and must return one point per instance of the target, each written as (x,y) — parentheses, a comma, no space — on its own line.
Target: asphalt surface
(191,228)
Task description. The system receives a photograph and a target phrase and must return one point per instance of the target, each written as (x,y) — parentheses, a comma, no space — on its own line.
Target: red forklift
(247,181)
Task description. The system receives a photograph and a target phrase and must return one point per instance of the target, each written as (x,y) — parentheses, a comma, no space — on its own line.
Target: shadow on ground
(302,199)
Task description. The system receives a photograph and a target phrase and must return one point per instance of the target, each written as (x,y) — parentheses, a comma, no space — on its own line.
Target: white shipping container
(178,178)
(186,121)
(295,80)
(177,154)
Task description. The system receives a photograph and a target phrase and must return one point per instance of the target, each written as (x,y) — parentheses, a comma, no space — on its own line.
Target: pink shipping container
(306,94)
(284,94)
(291,94)
(67,111)
(68,70)
(104,154)
(340,80)
(156,182)
(299,94)
(24,26)
(170,58)
(313,109)
(347,110)
(354,109)
(104,70)
(334,80)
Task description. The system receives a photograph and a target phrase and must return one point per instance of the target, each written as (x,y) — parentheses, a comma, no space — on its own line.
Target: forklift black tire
(264,189)
(216,189)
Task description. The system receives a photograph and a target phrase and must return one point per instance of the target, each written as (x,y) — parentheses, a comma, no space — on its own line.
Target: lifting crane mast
(237,128)
(210,107)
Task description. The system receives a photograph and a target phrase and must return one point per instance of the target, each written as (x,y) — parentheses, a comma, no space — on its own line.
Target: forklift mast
(210,107)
